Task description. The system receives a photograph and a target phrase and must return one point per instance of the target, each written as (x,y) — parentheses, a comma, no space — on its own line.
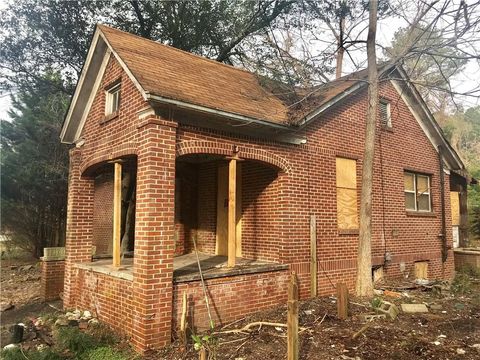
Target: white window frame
(109,99)
(415,192)
(388,123)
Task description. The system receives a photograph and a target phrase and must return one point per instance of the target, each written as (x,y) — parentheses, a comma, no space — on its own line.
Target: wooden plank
(183,320)
(421,270)
(232,219)
(347,209)
(292,319)
(455,207)
(117,212)
(238,211)
(313,256)
(342,301)
(221,247)
(346,173)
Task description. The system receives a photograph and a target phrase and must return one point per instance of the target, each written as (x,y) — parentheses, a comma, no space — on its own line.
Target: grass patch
(104,353)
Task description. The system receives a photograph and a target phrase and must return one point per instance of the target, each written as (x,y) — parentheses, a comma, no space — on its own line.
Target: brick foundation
(108,298)
(53,276)
(230,298)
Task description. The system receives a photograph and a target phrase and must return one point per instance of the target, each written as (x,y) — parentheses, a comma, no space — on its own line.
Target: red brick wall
(186,208)
(259,218)
(53,273)
(230,298)
(207,207)
(107,297)
(103,213)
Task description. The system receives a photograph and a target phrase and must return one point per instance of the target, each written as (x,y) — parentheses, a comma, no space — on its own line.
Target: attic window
(385,115)
(112,99)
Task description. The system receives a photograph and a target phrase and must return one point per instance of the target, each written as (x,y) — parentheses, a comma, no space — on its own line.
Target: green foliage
(470,270)
(40,35)
(34,168)
(462,129)
(103,334)
(207,342)
(104,353)
(461,284)
(376,302)
(16,354)
(75,341)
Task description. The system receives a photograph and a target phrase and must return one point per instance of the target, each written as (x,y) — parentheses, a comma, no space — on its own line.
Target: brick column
(53,272)
(78,244)
(154,235)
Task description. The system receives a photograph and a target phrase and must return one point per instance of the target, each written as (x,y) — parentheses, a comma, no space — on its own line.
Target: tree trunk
(340,48)
(364,286)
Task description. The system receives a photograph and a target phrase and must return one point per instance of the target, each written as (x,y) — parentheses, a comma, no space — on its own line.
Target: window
(347,214)
(385,115)
(112,100)
(417,192)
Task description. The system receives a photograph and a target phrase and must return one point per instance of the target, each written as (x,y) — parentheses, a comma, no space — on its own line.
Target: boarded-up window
(417,192)
(455,206)
(347,214)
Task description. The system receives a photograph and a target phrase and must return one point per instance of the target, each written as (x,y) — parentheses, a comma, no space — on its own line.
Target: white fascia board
(125,68)
(81,80)
(415,114)
(438,131)
(92,94)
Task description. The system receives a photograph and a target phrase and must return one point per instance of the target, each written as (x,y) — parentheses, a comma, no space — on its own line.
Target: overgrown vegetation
(96,343)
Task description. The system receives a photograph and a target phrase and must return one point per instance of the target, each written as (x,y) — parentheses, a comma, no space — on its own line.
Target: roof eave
(283,133)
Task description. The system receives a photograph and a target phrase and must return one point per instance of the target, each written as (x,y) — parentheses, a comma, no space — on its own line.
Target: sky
(467,80)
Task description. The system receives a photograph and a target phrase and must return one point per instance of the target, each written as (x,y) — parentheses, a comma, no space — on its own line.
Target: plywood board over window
(455,207)
(347,212)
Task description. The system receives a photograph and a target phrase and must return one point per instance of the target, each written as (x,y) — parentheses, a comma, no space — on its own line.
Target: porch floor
(185,267)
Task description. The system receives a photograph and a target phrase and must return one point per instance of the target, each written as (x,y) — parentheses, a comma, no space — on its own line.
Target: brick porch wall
(52,279)
(109,298)
(230,298)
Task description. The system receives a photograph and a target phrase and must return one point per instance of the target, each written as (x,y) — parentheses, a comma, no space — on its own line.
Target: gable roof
(164,74)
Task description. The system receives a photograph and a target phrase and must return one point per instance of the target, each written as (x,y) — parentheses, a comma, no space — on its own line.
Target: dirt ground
(450,330)
(20,292)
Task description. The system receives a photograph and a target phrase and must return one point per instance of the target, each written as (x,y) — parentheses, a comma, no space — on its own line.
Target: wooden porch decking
(185,267)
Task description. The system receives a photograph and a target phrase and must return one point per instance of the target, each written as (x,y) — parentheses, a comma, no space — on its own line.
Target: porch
(185,267)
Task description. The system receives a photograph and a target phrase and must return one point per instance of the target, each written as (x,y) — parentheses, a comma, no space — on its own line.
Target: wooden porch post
(117,212)
(232,192)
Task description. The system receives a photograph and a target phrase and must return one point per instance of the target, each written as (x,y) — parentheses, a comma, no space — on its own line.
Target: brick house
(204,155)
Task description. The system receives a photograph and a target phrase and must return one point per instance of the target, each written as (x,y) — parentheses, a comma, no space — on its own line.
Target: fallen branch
(247,328)
(361,331)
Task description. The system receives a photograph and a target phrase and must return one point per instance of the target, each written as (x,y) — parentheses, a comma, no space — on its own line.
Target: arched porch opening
(201,212)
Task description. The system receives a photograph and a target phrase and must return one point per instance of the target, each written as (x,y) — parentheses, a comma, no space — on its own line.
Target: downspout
(443,235)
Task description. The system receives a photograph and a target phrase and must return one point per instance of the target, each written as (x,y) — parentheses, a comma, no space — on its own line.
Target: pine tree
(34,167)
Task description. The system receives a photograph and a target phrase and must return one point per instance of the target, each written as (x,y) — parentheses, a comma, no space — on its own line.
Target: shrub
(461,284)
(75,341)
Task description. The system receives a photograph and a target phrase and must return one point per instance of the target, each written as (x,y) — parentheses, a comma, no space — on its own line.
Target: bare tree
(364,285)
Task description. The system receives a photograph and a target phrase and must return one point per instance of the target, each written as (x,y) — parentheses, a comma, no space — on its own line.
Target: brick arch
(100,157)
(211,147)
